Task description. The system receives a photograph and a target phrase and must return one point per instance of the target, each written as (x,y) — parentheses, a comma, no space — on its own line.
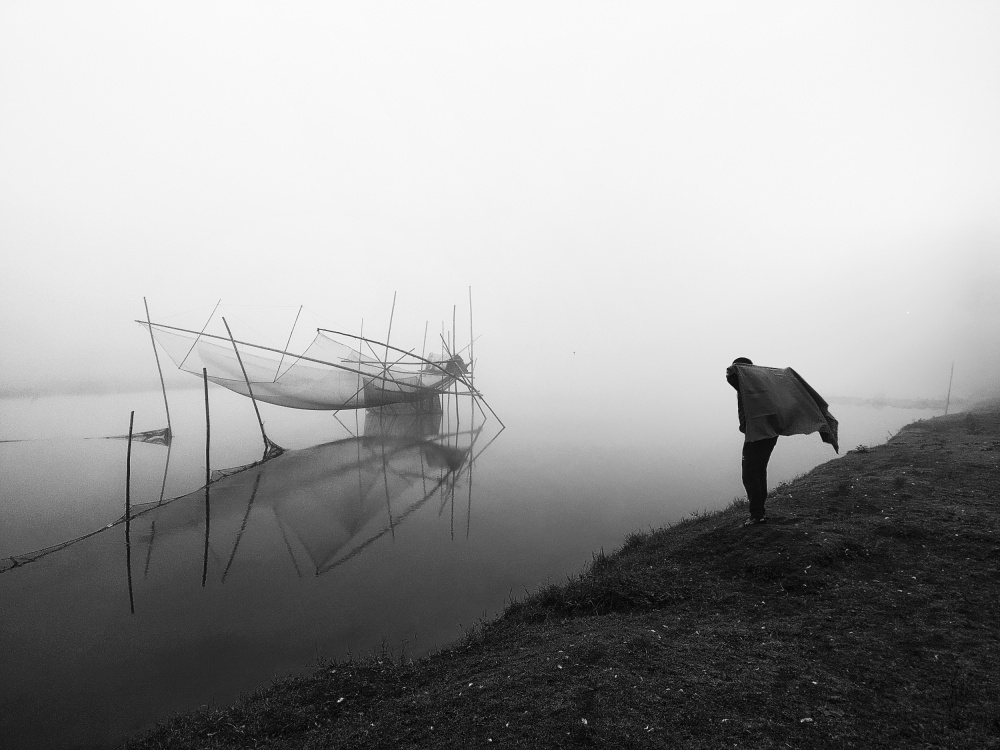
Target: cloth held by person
(778,401)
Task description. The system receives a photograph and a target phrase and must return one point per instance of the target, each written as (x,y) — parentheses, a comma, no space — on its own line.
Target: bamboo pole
(287,343)
(208,477)
(159,369)
(166,468)
(208,431)
(195,343)
(334,365)
(423,350)
(128,513)
(472,340)
(950,378)
(454,344)
(267,443)
(388,335)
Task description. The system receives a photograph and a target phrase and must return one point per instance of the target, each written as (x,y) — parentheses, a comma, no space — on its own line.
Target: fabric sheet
(778,401)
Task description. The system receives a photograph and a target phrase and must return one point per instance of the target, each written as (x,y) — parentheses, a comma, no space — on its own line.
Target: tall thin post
(423,348)
(288,343)
(472,350)
(198,337)
(267,443)
(208,476)
(159,369)
(208,431)
(950,378)
(385,364)
(128,513)
(454,346)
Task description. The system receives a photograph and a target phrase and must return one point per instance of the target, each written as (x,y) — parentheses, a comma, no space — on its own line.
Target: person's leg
(763,456)
(756,454)
(751,480)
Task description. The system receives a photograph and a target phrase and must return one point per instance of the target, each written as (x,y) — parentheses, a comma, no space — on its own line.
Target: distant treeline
(898,403)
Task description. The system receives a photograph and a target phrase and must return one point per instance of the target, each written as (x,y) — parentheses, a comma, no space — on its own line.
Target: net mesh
(328,375)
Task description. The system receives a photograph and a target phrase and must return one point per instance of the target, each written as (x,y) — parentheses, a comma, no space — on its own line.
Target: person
(756,453)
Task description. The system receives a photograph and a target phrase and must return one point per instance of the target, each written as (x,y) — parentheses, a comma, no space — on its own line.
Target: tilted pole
(268,444)
(159,369)
(287,343)
(198,337)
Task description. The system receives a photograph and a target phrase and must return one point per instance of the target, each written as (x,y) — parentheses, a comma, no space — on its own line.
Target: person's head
(742,361)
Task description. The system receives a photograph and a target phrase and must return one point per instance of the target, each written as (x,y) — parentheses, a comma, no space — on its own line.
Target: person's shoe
(753,521)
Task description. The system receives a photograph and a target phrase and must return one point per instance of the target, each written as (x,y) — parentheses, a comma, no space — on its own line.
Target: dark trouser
(756,454)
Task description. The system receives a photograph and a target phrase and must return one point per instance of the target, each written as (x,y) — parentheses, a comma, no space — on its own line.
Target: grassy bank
(865,614)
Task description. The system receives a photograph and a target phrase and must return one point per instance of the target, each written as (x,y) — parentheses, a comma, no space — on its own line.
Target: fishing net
(328,375)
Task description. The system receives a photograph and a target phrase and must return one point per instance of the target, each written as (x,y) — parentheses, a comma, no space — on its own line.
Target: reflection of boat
(331,500)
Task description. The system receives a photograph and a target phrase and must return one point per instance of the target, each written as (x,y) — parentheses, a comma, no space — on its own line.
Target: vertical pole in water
(267,443)
(454,347)
(472,348)
(128,513)
(950,378)
(423,349)
(159,369)
(385,364)
(208,475)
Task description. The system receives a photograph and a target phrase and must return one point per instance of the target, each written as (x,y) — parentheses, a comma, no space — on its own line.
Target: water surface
(368,531)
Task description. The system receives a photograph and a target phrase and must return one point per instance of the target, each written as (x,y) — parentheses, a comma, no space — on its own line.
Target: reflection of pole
(385,480)
(288,545)
(208,476)
(468,512)
(149,549)
(950,377)
(243,526)
(159,369)
(128,513)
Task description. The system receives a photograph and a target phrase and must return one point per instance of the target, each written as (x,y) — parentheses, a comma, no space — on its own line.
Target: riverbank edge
(866,613)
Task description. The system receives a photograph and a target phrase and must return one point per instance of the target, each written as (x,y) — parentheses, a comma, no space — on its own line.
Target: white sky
(813,185)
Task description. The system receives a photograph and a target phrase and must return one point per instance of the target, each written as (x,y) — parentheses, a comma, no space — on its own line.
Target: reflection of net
(323,497)
(327,375)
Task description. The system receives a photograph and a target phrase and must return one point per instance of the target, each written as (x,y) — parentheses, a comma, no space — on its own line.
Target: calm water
(394,531)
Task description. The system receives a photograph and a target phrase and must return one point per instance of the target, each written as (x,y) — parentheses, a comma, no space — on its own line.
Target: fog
(635,193)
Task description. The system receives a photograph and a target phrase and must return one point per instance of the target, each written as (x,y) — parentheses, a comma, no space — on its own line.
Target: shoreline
(866,613)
